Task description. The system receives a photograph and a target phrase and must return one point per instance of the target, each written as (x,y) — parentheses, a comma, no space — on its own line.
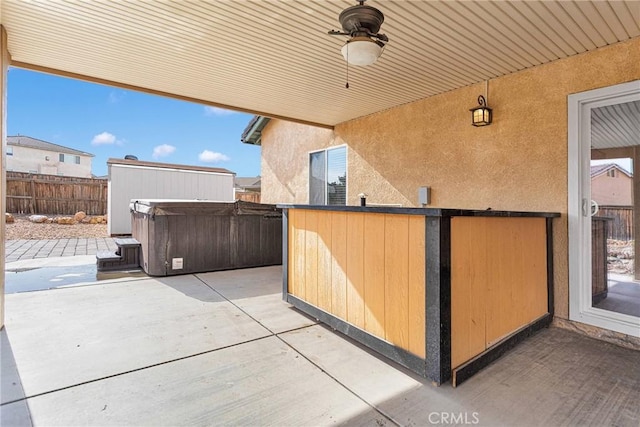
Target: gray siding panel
(128,182)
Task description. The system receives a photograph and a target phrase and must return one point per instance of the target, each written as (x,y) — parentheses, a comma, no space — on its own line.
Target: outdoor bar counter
(441,291)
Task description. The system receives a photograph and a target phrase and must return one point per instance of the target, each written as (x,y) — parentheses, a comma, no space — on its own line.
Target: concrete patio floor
(222,348)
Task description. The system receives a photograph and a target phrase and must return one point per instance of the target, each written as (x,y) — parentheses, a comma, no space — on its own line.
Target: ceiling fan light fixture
(361,51)
(362,25)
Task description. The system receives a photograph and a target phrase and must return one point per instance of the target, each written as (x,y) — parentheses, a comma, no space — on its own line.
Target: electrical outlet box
(176,264)
(424,195)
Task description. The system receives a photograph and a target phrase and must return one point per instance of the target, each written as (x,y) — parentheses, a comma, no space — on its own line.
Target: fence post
(32,206)
(101,201)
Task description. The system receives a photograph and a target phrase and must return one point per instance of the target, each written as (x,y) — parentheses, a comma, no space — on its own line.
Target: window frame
(579,106)
(310,178)
(326,168)
(71,159)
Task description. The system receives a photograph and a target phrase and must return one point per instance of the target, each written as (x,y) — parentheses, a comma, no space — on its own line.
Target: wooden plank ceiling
(616,126)
(275,57)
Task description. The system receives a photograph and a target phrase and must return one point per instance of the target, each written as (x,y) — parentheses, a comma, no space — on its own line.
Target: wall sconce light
(481,115)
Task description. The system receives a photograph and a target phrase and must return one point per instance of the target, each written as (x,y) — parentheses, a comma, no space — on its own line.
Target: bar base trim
(390,351)
(473,366)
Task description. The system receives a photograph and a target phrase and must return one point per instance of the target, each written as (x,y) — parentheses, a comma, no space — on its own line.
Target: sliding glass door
(604,206)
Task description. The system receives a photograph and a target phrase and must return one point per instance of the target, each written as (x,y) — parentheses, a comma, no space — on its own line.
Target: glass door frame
(579,206)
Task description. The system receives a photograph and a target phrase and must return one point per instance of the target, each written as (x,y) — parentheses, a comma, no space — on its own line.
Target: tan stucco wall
(612,191)
(285,160)
(517,163)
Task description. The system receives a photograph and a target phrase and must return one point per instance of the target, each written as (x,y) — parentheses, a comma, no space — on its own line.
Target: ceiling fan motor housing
(361,18)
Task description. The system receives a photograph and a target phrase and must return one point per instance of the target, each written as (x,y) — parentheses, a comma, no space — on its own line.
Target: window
(328,177)
(611,173)
(317,174)
(9,151)
(68,158)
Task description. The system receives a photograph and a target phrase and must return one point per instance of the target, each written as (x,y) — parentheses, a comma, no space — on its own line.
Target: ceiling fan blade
(382,37)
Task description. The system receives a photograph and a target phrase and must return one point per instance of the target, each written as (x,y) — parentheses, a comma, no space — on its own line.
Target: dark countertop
(435,212)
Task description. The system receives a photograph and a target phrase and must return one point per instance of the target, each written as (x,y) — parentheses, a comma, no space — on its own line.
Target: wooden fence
(249,196)
(55,195)
(621,225)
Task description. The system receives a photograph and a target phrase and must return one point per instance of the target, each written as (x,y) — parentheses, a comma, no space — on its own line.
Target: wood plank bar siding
(498,280)
(441,291)
(367,270)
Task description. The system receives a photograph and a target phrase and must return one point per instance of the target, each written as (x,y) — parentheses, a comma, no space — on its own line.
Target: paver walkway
(16,250)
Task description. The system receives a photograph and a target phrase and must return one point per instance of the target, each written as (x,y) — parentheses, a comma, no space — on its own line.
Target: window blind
(337,176)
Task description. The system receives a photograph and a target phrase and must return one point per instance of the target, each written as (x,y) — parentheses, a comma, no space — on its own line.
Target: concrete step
(108,256)
(126,257)
(127,242)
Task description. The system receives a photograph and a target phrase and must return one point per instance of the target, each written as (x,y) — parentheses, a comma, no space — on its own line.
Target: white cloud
(162,150)
(212,157)
(104,138)
(216,111)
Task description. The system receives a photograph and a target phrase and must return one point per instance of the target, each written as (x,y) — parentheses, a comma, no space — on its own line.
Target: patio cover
(274,58)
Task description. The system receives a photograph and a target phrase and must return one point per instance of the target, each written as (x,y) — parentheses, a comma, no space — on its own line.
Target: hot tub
(193,236)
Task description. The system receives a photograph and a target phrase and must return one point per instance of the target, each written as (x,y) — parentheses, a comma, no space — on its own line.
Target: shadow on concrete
(245,283)
(162,368)
(227,284)
(255,291)
(14,410)
(190,286)
(557,377)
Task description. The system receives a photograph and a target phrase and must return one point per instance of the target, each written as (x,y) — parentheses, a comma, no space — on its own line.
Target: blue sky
(625,164)
(111,122)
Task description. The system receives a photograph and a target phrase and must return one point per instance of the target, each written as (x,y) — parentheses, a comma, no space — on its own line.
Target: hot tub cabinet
(192,236)
(441,291)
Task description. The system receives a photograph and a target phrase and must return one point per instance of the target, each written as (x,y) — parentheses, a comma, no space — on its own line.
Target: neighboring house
(136,179)
(611,185)
(247,188)
(32,155)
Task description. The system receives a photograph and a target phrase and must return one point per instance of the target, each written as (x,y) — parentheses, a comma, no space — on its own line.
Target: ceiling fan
(361,23)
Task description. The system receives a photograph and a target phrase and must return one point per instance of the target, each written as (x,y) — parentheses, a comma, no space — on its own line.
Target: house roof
(114,161)
(274,58)
(252,134)
(38,144)
(600,169)
(248,183)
